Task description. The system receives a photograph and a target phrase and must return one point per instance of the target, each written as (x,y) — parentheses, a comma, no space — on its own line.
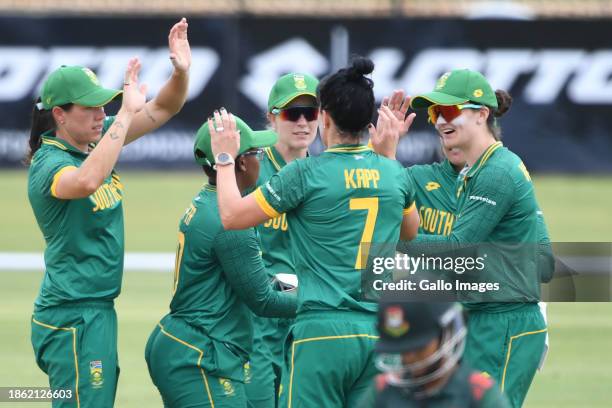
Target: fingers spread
(233,126)
(385,101)
(218,120)
(405,104)
(396,99)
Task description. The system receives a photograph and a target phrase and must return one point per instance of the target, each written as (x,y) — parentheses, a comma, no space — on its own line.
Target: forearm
(276,304)
(228,195)
(173,94)
(104,156)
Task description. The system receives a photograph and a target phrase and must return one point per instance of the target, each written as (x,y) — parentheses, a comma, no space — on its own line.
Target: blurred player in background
(197,353)
(76,196)
(420,354)
(292,114)
(495,204)
(334,202)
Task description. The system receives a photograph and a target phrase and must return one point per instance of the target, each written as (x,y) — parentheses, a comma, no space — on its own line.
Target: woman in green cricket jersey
(292,114)
(76,196)
(495,206)
(335,202)
(197,354)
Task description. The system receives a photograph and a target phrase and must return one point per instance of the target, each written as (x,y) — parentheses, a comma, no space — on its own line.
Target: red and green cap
(458,87)
(75,84)
(290,86)
(249,139)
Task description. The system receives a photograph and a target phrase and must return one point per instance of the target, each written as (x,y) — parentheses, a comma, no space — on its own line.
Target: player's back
(202,296)
(351,196)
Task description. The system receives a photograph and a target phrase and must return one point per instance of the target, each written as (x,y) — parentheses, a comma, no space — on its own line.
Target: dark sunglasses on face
(294,113)
(259,153)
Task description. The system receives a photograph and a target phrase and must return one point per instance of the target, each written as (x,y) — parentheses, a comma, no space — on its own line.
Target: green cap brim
(262,138)
(435,98)
(99,97)
(291,97)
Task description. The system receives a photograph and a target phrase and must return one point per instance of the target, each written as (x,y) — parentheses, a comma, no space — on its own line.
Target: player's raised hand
(399,104)
(224,136)
(134,94)
(385,136)
(178,43)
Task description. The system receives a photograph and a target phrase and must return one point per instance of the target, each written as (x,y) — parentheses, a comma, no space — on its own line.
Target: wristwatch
(224,159)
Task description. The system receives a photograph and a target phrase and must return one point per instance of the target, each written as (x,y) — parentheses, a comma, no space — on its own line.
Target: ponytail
(504,101)
(42,121)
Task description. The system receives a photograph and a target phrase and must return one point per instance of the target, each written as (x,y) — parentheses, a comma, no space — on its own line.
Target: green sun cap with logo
(75,84)
(457,87)
(290,86)
(249,139)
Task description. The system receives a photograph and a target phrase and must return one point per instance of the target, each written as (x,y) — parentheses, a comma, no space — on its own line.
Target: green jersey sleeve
(283,192)
(488,201)
(239,255)
(546,258)
(410,204)
(49,173)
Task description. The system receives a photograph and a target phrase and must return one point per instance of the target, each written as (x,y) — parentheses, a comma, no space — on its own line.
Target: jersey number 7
(371,205)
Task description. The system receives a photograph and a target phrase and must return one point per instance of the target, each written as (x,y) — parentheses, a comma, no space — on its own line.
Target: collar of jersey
(348,148)
(210,187)
(448,168)
(483,159)
(275,158)
(48,138)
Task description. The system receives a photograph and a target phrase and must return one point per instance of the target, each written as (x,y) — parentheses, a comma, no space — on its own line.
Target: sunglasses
(259,153)
(448,112)
(294,113)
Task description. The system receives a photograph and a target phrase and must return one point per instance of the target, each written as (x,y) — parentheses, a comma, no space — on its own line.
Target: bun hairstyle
(504,101)
(348,96)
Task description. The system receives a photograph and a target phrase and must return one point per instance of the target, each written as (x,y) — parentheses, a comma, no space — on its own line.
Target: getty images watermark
(405,265)
(488,272)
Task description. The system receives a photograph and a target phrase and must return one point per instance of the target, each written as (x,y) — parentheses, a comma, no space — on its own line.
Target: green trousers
(188,371)
(76,346)
(507,346)
(329,360)
(266,361)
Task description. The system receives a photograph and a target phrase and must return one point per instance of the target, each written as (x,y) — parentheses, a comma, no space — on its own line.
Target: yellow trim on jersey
(74,353)
(210,187)
(348,149)
(409,209)
(184,343)
(56,178)
(54,143)
(295,342)
(510,350)
(270,155)
(264,205)
(488,154)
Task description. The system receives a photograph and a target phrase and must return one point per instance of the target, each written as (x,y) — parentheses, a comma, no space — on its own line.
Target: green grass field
(577,372)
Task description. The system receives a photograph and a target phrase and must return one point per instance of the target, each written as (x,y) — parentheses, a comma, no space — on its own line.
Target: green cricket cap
(75,84)
(290,86)
(249,139)
(457,87)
